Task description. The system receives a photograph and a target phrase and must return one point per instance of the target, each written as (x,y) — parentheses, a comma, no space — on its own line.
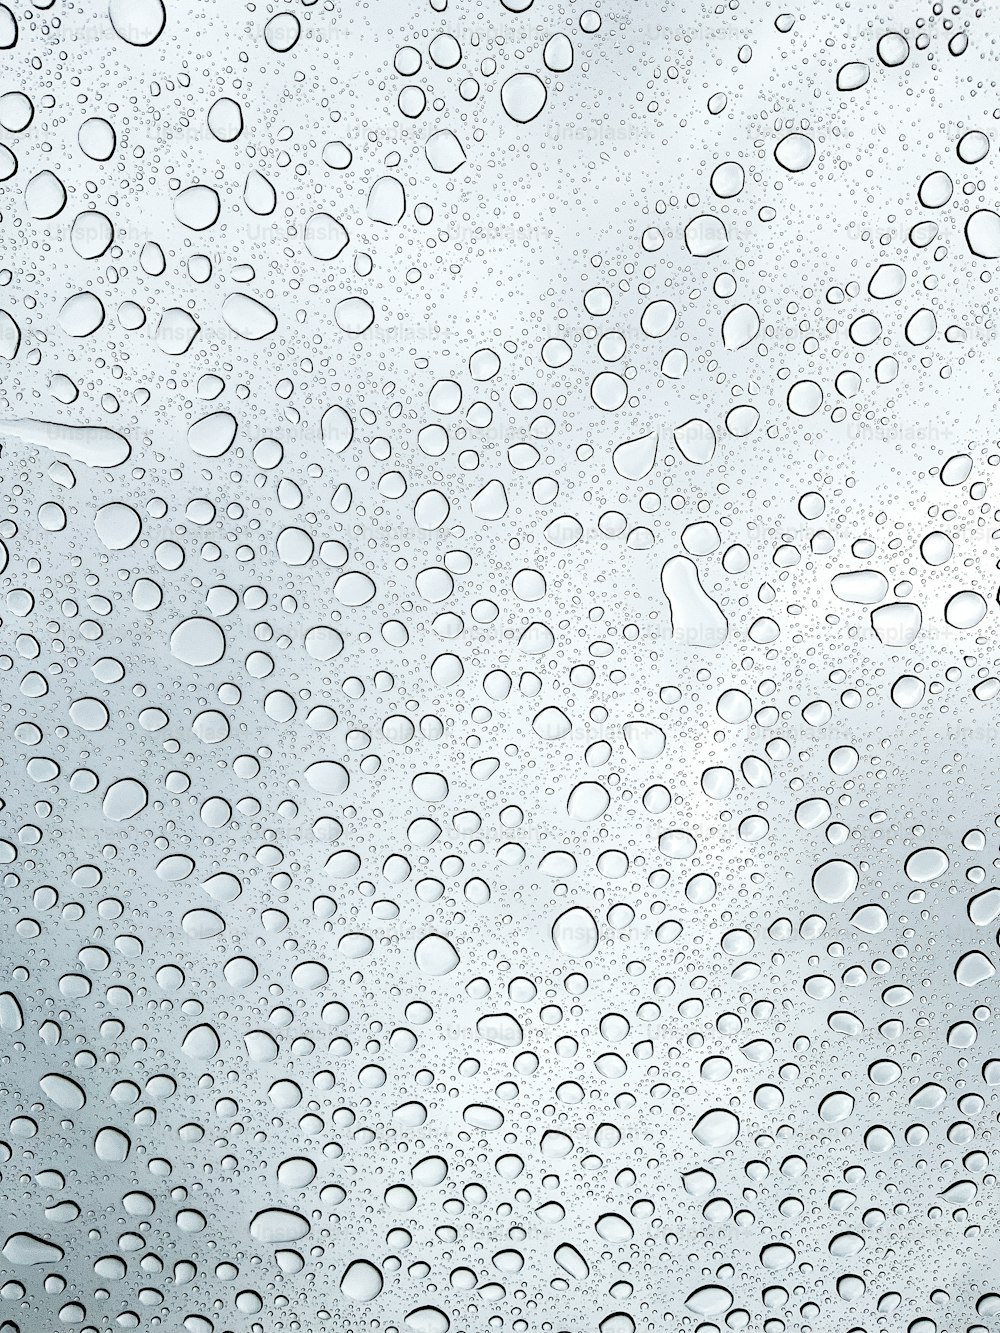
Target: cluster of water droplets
(498,642)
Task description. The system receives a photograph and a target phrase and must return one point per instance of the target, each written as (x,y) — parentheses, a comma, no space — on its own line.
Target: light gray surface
(464,870)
